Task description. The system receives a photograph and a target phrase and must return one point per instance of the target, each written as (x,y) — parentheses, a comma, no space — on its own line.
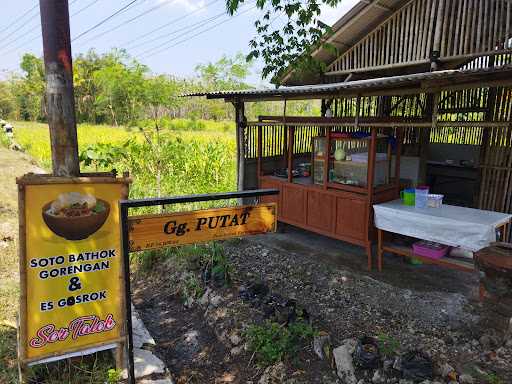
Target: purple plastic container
(430,249)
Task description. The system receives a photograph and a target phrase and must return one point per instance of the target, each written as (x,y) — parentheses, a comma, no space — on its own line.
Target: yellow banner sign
(156,231)
(72,268)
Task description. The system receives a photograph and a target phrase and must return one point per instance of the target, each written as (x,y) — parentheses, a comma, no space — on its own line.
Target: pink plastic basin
(430,249)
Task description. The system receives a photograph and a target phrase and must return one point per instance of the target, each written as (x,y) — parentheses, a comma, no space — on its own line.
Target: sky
(169,36)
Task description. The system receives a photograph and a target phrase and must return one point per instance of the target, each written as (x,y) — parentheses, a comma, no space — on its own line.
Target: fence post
(240,142)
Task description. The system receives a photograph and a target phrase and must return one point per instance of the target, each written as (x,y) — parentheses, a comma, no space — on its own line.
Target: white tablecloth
(472,229)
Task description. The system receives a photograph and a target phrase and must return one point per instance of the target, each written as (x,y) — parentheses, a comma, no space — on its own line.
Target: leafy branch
(291,46)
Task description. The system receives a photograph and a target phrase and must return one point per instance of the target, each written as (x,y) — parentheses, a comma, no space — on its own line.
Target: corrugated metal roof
(413,81)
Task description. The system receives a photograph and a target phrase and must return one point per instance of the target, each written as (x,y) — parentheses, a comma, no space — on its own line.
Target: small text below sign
(175,229)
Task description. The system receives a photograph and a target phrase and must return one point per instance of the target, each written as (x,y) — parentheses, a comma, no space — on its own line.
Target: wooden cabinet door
(351,217)
(293,204)
(265,184)
(321,210)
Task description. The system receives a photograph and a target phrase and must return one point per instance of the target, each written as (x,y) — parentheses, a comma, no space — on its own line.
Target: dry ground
(12,165)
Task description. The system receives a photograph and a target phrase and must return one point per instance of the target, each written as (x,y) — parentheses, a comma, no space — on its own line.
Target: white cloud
(331,15)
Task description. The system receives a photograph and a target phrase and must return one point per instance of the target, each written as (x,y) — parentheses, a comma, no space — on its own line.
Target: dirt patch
(438,316)
(14,164)
(187,344)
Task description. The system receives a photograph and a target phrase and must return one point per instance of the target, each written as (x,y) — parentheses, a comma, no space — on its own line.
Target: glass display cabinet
(318,161)
(350,159)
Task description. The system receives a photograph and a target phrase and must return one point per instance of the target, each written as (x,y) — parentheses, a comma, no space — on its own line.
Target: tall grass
(35,138)
(174,163)
(192,125)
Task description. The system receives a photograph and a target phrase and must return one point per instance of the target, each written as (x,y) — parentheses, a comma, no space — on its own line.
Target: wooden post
(59,87)
(291,137)
(240,143)
(372,154)
(484,146)
(432,104)
(327,153)
(380,243)
(22,320)
(259,170)
(399,139)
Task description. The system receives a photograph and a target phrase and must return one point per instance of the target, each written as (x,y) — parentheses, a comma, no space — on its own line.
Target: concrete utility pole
(59,87)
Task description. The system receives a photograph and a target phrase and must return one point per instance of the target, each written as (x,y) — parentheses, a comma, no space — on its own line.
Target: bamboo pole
(458,27)
(507,27)
(408,37)
(431,26)
(438,28)
(474,12)
(400,46)
(485,32)
(415,46)
(425,24)
(463,28)
(450,34)
(496,18)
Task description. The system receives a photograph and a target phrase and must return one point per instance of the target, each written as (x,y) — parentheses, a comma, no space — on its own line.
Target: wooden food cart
(331,191)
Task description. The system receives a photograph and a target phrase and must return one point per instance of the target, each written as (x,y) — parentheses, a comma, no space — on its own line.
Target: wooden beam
(339,120)
(484,147)
(241,123)
(59,87)
(291,143)
(432,109)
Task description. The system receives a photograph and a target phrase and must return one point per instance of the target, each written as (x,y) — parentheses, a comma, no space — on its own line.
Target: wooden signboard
(164,230)
(71,266)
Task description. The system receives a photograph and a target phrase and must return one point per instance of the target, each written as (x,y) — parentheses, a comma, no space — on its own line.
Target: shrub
(272,342)
(216,266)
(191,287)
(388,345)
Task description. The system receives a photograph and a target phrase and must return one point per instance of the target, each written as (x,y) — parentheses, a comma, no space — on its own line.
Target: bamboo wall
(448,29)
(473,27)
(475,117)
(496,170)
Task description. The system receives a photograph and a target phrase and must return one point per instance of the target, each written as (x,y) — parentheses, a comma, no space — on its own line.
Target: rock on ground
(275,374)
(145,364)
(141,335)
(344,363)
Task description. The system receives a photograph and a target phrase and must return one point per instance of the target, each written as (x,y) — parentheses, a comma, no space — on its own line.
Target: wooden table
(469,228)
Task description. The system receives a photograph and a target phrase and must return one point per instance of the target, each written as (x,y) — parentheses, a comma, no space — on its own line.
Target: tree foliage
(226,73)
(7,102)
(291,46)
(113,88)
(28,89)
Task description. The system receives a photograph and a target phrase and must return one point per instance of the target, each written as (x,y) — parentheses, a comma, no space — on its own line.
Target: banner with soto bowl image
(72,267)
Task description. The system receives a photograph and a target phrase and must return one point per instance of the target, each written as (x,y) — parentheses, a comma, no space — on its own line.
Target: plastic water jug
(421,196)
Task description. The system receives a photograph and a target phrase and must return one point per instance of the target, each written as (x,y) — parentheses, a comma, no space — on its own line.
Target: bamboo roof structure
(379,38)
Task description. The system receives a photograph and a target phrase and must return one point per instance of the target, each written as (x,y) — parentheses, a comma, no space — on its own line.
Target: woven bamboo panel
(450,29)
(496,170)
(404,37)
